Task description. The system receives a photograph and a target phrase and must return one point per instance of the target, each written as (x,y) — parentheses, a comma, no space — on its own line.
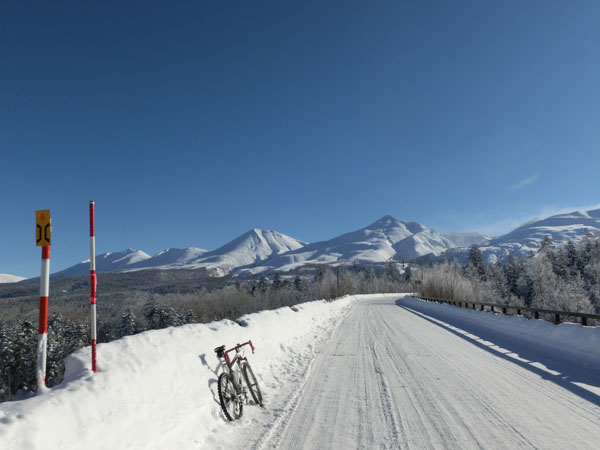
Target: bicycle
(232,392)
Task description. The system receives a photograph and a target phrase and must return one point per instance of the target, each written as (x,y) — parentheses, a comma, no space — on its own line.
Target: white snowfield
(8,278)
(372,372)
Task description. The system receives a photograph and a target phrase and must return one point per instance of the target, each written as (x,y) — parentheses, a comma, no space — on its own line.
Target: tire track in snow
(385,399)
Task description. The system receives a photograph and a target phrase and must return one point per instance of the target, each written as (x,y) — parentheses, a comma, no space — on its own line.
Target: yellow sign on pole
(42,227)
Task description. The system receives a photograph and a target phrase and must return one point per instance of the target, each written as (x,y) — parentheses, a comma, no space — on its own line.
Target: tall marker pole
(43,229)
(93,285)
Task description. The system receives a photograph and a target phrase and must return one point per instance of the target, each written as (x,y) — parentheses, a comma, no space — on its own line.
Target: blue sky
(190,123)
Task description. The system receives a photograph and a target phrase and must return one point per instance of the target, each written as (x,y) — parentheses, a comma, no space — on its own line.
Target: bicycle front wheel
(252,384)
(231,404)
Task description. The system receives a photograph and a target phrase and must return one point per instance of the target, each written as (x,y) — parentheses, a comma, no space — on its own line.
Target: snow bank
(566,337)
(157,390)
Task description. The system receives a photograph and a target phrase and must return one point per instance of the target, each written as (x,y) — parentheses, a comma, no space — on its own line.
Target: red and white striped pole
(93,285)
(43,322)
(43,230)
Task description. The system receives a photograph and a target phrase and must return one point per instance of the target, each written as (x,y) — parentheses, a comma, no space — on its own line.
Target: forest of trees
(566,278)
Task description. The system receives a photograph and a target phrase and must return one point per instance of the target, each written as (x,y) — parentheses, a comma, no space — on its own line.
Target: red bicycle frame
(229,362)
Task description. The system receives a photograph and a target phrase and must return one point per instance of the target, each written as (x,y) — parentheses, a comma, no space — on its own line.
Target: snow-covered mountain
(528,238)
(106,262)
(249,248)
(384,239)
(8,278)
(466,239)
(261,250)
(171,258)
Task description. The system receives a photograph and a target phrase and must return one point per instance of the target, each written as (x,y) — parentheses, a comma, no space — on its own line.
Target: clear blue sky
(190,123)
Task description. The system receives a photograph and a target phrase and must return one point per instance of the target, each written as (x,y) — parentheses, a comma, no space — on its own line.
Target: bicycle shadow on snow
(212,382)
(570,370)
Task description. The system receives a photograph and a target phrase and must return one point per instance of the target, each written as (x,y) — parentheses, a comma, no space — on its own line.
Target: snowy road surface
(394,377)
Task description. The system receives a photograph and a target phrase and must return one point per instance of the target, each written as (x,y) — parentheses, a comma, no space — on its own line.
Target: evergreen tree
(512,273)
(7,361)
(190,317)
(263,285)
(476,261)
(300,284)
(23,373)
(407,275)
(546,243)
(127,327)
(277,281)
(320,274)
(392,273)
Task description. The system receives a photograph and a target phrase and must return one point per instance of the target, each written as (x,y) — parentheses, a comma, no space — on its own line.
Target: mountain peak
(386,221)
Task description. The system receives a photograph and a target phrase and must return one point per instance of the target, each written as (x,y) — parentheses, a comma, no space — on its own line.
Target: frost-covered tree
(392,273)
(407,275)
(127,326)
(476,261)
(300,284)
(263,284)
(546,244)
(22,373)
(6,361)
(276,281)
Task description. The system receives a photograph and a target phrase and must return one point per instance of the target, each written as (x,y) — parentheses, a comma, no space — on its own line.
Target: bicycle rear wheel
(252,384)
(231,404)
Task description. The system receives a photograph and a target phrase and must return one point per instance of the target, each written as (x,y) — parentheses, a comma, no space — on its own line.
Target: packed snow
(372,371)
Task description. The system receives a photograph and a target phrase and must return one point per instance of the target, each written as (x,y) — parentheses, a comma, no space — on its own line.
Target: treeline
(566,278)
(129,312)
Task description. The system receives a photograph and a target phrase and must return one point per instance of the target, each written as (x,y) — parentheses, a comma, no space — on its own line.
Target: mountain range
(388,238)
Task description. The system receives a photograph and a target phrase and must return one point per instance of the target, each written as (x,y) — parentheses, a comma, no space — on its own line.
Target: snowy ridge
(8,278)
(106,262)
(171,258)
(466,239)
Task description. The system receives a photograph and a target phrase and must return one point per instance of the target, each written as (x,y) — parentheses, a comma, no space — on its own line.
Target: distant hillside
(528,238)
(7,278)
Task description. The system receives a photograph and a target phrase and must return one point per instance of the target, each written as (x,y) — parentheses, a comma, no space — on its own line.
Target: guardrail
(495,307)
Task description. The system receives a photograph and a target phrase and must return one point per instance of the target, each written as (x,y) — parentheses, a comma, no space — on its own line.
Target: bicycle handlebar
(237,349)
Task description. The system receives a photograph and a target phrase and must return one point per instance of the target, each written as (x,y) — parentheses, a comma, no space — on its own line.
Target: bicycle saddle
(220,350)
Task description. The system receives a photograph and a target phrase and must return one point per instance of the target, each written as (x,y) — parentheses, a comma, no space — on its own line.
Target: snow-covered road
(405,374)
